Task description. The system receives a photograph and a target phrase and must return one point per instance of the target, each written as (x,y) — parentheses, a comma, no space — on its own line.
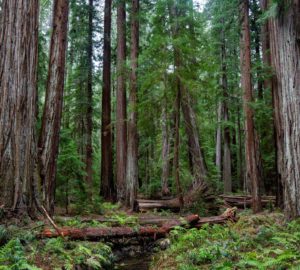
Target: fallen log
(94,234)
(144,205)
(242,201)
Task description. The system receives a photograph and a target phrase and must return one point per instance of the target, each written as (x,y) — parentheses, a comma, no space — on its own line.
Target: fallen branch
(52,222)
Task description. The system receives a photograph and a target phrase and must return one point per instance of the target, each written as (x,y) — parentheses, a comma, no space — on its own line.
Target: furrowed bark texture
(132,150)
(285,55)
(199,166)
(251,142)
(49,136)
(107,185)
(121,126)
(18,104)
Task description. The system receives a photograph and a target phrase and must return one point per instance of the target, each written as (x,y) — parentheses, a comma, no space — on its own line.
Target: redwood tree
(89,109)
(49,136)
(132,149)
(18,99)
(107,184)
(285,55)
(251,142)
(121,126)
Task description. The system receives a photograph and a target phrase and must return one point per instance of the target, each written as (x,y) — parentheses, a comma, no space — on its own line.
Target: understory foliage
(255,242)
(25,252)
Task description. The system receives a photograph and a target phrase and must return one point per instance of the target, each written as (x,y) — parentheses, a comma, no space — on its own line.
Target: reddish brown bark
(120,232)
(107,184)
(132,149)
(251,142)
(94,234)
(121,126)
(49,136)
(285,55)
(18,103)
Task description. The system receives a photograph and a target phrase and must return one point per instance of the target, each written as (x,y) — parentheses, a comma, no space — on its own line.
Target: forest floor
(263,241)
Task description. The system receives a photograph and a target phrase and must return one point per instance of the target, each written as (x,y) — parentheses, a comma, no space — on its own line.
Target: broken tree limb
(51,221)
(93,234)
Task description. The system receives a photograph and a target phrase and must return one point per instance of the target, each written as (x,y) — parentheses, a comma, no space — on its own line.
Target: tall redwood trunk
(285,55)
(49,136)
(226,161)
(18,104)
(89,109)
(121,126)
(268,85)
(251,142)
(132,150)
(107,184)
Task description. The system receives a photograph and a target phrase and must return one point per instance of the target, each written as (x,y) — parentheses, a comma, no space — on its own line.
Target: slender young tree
(121,126)
(132,149)
(251,142)
(285,55)
(49,136)
(89,109)
(18,99)
(107,184)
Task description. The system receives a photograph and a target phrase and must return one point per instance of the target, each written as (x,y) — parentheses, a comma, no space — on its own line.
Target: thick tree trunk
(18,104)
(268,85)
(199,166)
(285,55)
(89,111)
(251,142)
(121,126)
(107,184)
(49,136)
(132,150)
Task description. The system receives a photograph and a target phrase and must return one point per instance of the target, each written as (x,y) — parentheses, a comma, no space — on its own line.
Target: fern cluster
(257,242)
(12,257)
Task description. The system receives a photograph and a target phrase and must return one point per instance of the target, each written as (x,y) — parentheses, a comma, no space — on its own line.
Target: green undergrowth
(262,241)
(21,250)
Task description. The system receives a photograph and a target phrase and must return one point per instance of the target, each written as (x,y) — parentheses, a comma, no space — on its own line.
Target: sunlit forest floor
(263,241)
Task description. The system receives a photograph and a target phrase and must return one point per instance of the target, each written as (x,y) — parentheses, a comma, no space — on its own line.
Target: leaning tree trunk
(121,126)
(251,142)
(285,55)
(18,104)
(49,136)
(132,150)
(199,166)
(107,184)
